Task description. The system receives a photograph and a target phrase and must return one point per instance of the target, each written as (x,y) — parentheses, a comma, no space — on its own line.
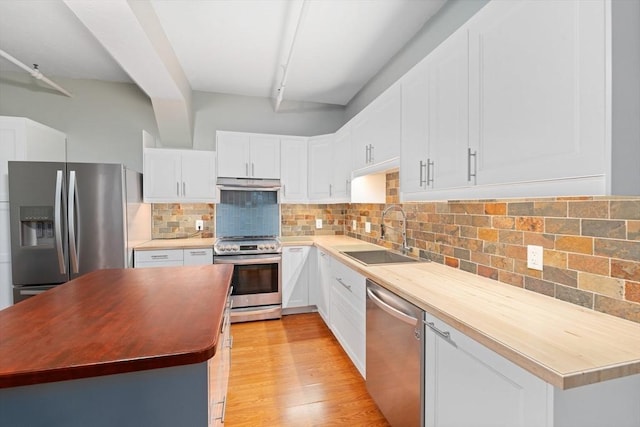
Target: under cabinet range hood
(248,183)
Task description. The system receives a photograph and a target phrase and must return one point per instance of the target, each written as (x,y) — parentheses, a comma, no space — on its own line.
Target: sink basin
(380,256)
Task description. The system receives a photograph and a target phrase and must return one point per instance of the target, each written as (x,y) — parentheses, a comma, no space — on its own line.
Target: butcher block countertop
(114,321)
(562,343)
(190,243)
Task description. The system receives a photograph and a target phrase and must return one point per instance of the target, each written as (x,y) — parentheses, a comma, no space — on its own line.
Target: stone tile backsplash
(591,244)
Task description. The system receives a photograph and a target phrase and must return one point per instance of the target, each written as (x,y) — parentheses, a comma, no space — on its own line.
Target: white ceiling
(230,46)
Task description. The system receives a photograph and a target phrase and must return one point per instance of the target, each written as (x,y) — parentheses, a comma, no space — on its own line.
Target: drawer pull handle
(444,334)
(343,284)
(159,256)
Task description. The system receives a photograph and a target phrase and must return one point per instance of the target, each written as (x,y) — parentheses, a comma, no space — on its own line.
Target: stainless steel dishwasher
(395,356)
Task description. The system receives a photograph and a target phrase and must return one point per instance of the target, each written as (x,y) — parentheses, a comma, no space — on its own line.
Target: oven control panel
(229,247)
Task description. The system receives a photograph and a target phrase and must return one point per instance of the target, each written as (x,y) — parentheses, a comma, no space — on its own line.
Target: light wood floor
(293,372)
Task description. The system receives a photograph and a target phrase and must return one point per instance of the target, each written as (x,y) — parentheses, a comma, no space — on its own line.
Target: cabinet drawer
(159,255)
(349,284)
(198,256)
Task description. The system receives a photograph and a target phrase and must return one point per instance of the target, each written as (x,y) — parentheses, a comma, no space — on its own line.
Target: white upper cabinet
(24,139)
(244,155)
(538,93)
(376,131)
(293,169)
(179,176)
(341,165)
(320,169)
(513,104)
(435,120)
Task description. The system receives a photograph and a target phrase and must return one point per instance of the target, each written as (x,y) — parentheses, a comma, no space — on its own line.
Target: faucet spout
(405,247)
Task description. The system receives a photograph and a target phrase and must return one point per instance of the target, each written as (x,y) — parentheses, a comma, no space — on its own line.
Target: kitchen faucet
(405,247)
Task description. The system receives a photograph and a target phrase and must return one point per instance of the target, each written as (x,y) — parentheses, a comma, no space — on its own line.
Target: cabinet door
(265,157)
(347,312)
(413,158)
(162,175)
(468,384)
(233,150)
(293,170)
(321,291)
(295,276)
(537,90)
(448,122)
(198,176)
(377,129)
(320,169)
(341,162)
(202,256)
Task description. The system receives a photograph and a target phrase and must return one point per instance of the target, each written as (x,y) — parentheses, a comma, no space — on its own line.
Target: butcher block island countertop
(114,321)
(564,344)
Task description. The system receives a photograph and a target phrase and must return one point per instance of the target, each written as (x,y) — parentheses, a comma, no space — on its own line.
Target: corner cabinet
(172,176)
(296,272)
(293,170)
(245,155)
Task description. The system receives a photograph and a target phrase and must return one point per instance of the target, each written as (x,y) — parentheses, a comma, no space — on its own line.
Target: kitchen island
(114,347)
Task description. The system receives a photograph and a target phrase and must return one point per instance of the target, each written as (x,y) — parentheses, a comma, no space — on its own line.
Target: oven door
(256,279)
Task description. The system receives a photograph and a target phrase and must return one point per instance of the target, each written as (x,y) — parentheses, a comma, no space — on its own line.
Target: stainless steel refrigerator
(68,219)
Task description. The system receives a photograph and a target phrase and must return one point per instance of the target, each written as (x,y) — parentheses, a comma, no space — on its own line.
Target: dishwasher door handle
(391,310)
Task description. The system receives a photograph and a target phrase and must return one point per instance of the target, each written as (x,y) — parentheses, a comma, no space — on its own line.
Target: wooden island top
(114,321)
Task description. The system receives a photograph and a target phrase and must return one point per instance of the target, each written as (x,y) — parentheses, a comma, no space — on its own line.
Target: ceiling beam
(131,32)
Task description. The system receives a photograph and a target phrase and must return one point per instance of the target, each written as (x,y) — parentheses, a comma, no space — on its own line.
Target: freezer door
(37,194)
(97,217)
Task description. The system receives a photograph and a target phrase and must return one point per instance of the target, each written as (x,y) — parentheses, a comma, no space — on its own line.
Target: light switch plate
(534,257)
(319,223)
(367,227)
(354,225)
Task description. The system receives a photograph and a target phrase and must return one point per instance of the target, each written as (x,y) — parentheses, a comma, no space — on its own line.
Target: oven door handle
(249,260)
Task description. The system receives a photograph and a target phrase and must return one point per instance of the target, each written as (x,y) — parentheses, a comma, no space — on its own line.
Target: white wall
(103,120)
(449,18)
(216,111)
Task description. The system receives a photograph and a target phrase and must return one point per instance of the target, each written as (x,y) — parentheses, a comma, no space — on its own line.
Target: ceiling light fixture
(35,73)
(283,82)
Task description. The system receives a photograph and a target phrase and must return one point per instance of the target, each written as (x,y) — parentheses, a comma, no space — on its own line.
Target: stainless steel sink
(379,256)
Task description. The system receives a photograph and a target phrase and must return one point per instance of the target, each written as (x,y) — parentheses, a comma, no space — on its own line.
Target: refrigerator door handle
(71,217)
(58,221)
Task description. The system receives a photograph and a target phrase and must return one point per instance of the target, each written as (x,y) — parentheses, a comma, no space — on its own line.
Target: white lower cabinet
(218,370)
(172,257)
(467,384)
(347,312)
(320,291)
(295,276)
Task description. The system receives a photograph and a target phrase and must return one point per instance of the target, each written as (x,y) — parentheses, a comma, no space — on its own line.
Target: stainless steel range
(247,226)
(257,276)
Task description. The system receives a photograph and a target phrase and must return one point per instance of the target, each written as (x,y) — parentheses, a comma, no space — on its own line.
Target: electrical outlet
(319,223)
(354,225)
(367,227)
(534,257)
(199,225)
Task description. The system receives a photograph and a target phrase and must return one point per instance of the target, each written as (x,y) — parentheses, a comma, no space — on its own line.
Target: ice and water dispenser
(36,226)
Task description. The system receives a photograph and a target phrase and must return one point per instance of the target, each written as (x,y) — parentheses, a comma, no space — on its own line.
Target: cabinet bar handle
(284,190)
(159,256)
(475,165)
(371,153)
(423,165)
(343,284)
(197,252)
(330,190)
(177,188)
(444,334)
(246,169)
(430,169)
(184,188)
(366,154)
(295,249)
(253,169)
